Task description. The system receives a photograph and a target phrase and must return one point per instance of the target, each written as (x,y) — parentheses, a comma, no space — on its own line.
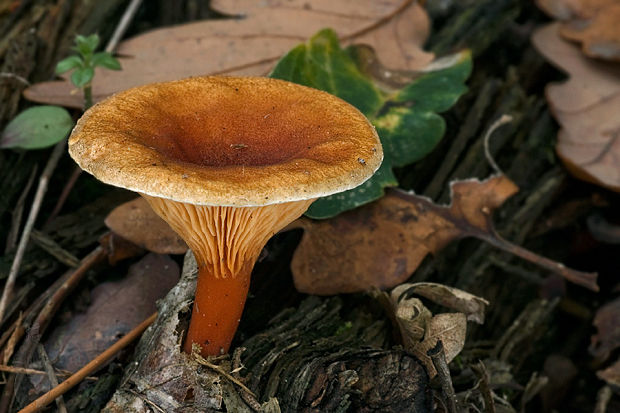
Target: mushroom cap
(230,141)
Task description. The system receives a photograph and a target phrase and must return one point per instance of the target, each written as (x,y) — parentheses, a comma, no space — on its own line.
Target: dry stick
(89,368)
(43,319)
(485,388)
(438,357)
(32,216)
(585,279)
(51,376)
(602,399)
(24,370)
(18,211)
(120,30)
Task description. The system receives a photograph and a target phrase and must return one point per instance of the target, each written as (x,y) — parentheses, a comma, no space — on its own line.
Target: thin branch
(51,376)
(32,216)
(89,368)
(438,357)
(122,26)
(18,211)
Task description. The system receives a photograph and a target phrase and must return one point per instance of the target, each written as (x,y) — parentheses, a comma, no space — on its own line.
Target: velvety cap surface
(227,141)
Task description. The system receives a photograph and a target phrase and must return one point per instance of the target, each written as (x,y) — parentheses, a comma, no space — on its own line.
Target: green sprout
(83,64)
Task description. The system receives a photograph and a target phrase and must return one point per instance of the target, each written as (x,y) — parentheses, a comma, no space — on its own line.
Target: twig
(89,368)
(51,247)
(8,75)
(585,279)
(202,361)
(485,389)
(51,376)
(77,171)
(487,137)
(23,370)
(32,216)
(248,398)
(42,321)
(438,357)
(602,399)
(122,26)
(18,211)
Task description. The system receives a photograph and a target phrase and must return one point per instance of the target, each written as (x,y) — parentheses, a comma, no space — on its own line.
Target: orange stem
(217,310)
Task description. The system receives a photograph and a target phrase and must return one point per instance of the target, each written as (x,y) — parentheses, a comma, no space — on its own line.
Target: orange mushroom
(227,162)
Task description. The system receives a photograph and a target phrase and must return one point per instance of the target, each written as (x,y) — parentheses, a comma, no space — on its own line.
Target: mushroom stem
(217,310)
(226,241)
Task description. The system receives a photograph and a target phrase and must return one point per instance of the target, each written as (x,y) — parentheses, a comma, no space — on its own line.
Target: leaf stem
(585,279)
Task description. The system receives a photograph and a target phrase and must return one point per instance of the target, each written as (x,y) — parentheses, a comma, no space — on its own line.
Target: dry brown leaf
(607,323)
(135,221)
(420,330)
(463,302)
(587,107)
(116,308)
(451,329)
(251,43)
(594,23)
(611,374)
(382,243)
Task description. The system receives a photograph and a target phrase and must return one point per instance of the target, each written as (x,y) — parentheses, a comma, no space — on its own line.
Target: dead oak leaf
(250,43)
(593,23)
(462,301)
(136,221)
(379,245)
(382,243)
(586,106)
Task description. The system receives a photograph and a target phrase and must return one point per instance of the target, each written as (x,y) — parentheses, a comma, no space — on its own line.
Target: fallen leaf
(252,41)
(37,127)
(116,308)
(451,329)
(463,302)
(611,374)
(136,222)
(380,245)
(599,36)
(420,330)
(404,112)
(607,323)
(586,106)
(590,22)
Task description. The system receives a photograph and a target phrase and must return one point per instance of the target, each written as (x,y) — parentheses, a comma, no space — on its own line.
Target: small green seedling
(83,64)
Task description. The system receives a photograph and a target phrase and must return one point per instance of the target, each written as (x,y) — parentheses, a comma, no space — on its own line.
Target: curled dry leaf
(135,221)
(593,23)
(420,330)
(252,42)
(472,306)
(587,107)
(607,323)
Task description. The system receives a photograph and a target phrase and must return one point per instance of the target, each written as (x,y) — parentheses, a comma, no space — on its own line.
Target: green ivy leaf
(405,115)
(70,63)
(82,76)
(37,127)
(105,59)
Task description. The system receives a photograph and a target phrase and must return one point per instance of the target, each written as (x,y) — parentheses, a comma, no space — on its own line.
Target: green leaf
(105,59)
(82,76)
(37,127)
(70,63)
(86,45)
(405,113)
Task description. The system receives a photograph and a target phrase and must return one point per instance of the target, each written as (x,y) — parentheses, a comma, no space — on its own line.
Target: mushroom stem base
(216,312)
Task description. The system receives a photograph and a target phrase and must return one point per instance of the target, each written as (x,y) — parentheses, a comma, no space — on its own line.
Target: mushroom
(227,162)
